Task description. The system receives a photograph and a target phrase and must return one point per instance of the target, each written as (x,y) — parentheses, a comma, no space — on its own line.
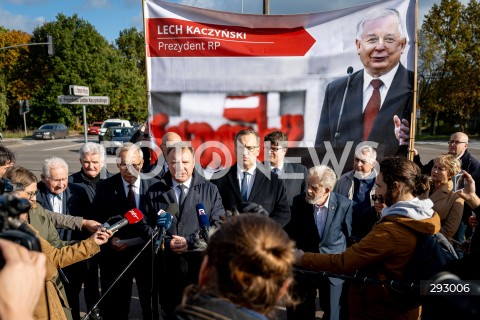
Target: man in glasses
(245,183)
(292,174)
(458,147)
(114,197)
(57,195)
(357,185)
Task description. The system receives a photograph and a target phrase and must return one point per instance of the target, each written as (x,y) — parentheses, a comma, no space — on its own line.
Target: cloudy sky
(109,17)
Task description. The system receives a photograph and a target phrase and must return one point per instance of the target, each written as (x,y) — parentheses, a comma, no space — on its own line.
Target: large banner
(213,73)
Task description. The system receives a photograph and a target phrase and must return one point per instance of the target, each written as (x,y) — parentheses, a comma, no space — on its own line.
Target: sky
(109,17)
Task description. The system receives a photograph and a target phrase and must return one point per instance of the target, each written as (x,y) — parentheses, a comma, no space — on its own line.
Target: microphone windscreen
(349,70)
(164,220)
(134,216)
(202,216)
(173,208)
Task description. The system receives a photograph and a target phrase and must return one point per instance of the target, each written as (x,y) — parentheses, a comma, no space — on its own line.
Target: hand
(22,280)
(402,130)
(468,192)
(178,244)
(117,245)
(298,257)
(472,221)
(90,225)
(101,236)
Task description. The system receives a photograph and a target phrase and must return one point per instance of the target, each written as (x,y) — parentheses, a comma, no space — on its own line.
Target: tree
(14,85)
(449,63)
(82,57)
(131,44)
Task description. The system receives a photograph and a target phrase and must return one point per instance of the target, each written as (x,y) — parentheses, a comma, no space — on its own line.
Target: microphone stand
(154,235)
(337,133)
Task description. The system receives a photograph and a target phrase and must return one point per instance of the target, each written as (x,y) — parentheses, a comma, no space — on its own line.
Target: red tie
(372,108)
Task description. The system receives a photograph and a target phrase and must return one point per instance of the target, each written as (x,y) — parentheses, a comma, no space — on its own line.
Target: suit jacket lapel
(257,183)
(332,206)
(352,117)
(233,181)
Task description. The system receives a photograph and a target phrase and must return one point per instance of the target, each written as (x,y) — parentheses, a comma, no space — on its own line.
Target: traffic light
(51,45)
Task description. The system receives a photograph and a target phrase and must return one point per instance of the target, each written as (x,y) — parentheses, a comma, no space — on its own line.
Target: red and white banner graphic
(213,73)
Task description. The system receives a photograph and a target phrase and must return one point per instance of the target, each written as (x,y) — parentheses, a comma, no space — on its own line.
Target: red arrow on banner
(169,37)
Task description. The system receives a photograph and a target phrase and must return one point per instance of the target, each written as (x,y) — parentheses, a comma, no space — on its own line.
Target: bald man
(169,138)
(457,146)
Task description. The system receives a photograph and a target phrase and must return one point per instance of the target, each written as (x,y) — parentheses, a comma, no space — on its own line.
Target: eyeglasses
(380,199)
(249,148)
(58,180)
(274,149)
(33,194)
(455,142)
(130,165)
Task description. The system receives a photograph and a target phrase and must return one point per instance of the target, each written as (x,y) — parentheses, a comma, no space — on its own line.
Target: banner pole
(413,116)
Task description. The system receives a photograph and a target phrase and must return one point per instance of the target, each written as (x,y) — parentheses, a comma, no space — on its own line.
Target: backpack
(431,255)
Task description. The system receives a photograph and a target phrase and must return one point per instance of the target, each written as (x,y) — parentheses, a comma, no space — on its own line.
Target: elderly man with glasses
(114,197)
(458,147)
(248,181)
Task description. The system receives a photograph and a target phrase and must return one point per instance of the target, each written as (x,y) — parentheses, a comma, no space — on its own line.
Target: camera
(10,227)
(458,182)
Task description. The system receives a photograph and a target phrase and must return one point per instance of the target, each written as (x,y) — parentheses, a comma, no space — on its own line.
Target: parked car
(94,128)
(115,137)
(51,131)
(111,123)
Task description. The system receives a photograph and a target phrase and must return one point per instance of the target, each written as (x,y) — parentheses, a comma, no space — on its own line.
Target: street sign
(79,91)
(99,100)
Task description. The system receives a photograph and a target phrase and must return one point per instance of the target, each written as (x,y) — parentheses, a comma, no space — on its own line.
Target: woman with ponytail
(384,253)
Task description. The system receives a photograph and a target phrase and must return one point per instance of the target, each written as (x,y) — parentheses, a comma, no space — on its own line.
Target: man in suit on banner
(321,222)
(376,97)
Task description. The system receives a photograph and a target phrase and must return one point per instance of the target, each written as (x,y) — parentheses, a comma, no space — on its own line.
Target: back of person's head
(250,262)
(402,170)
(6,156)
(451,164)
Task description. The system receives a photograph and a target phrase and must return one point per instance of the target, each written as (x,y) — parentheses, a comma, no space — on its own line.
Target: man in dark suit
(92,161)
(114,197)
(179,261)
(376,96)
(321,222)
(250,181)
(57,195)
(292,174)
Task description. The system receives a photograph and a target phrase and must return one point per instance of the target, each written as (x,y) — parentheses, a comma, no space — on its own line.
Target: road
(31,153)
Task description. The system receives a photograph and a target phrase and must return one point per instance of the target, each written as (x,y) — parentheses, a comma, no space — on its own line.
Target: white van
(111,123)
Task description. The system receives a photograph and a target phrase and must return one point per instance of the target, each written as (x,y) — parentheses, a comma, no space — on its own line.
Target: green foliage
(449,58)
(82,57)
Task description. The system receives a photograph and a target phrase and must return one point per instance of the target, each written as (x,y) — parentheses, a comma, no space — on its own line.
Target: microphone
(131,217)
(164,221)
(349,72)
(203,221)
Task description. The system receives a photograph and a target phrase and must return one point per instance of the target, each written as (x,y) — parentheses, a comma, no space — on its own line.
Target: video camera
(10,226)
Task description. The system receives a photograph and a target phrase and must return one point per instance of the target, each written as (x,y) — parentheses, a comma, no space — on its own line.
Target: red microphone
(131,217)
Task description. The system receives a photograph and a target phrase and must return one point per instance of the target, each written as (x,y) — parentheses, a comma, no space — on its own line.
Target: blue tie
(244,189)
(276,171)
